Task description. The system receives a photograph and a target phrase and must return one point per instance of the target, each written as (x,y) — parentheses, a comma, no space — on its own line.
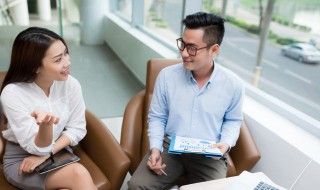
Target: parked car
(302,52)
(315,41)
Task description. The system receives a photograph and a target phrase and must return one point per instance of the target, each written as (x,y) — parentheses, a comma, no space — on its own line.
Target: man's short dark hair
(212,24)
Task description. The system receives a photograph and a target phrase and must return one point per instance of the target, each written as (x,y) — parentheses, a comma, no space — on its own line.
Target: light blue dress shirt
(179,107)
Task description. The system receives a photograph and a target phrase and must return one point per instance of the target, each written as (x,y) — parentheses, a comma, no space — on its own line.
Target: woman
(45,111)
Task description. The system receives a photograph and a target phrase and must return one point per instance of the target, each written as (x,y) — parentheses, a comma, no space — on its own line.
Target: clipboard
(186,145)
(60,159)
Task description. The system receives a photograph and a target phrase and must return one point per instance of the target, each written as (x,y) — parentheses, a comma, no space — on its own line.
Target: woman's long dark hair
(28,51)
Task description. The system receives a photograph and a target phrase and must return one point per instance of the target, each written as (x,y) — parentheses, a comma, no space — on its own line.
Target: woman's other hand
(30,163)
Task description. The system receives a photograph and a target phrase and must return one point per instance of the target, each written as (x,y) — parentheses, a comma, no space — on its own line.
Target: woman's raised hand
(44,118)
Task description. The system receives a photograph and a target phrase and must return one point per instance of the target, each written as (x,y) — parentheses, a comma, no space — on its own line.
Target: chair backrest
(153,68)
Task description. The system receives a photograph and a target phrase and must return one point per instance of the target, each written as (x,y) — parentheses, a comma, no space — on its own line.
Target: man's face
(203,58)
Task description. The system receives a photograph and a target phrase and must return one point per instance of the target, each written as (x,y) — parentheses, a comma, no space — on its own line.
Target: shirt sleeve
(158,113)
(75,128)
(233,118)
(23,126)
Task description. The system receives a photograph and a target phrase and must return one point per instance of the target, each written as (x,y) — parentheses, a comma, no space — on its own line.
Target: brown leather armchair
(99,152)
(134,138)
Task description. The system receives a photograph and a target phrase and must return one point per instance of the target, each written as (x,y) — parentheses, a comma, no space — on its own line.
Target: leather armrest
(231,169)
(101,146)
(132,129)
(245,154)
(98,177)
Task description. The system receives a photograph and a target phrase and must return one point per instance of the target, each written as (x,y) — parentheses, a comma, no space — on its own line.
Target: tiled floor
(107,85)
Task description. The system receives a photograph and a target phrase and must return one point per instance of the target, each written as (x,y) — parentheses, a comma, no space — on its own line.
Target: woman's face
(55,64)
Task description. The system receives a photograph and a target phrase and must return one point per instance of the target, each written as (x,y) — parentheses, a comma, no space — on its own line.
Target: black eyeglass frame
(179,40)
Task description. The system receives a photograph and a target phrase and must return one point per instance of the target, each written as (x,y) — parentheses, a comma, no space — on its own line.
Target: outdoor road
(297,84)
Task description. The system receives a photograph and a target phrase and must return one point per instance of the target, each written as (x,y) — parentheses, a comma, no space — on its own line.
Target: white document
(195,145)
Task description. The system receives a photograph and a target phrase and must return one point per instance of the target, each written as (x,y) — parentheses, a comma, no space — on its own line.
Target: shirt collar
(213,76)
(189,76)
(210,82)
(38,88)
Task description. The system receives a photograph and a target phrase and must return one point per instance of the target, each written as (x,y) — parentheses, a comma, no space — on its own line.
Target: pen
(160,169)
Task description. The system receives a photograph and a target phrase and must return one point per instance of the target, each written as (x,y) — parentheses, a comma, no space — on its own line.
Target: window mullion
(137,13)
(190,7)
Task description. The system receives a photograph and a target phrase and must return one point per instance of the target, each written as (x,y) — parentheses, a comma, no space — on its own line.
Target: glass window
(291,79)
(163,18)
(125,8)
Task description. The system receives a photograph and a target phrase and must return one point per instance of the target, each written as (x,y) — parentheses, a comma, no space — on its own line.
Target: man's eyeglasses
(192,50)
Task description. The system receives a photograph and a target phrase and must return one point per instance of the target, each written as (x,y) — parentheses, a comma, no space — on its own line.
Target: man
(197,98)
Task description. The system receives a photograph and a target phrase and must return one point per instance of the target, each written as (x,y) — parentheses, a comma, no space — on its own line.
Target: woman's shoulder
(13,87)
(12,92)
(72,84)
(72,80)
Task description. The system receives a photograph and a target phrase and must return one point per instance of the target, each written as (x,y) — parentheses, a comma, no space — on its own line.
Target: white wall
(290,155)
(119,34)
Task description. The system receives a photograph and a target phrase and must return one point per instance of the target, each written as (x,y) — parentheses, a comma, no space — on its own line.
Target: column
(20,14)
(44,9)
(92,22)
